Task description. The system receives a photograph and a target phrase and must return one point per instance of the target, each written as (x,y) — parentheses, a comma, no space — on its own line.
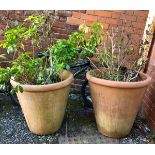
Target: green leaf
(20,88)
(67,67)
(2,56)
(10,50)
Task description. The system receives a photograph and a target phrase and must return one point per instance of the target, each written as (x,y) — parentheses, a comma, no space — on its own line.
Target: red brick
(73,27)
(101,19)
(141,13)
(76,15)
(138,31)
(82,11)
(138,25)
(116,15)
(91,12)
(131,12)
(128,17)
(64,13)
(103,13)
(59,36)
(28,12)
(88,23)
(11,16)
(19,12)
(4,13)
(121,11)
(127,23)
(105,26)
(89,17)
(129,30)
(136,39)
(141,19)
(74,21)
(19,17)
(115,27)
(59,30)
(113,21)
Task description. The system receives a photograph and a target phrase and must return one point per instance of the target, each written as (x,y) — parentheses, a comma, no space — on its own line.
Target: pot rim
(48,87)
(120,84)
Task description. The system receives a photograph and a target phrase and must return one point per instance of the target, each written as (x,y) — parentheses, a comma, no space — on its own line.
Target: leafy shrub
(25,66)
(87,39)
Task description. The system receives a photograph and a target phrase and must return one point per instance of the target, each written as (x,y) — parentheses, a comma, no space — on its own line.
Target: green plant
(112,58)
(25,67)
(64,52)
(87,39)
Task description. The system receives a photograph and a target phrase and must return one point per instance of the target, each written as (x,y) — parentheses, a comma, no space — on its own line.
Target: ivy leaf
(13,91)
(17,89)
(20,88)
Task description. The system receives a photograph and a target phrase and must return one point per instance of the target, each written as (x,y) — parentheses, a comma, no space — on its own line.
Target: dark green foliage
(64,51)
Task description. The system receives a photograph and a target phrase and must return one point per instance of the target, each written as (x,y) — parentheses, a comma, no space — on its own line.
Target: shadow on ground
(78,127)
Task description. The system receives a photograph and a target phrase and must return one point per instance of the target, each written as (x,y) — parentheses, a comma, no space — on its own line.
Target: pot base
(115,135)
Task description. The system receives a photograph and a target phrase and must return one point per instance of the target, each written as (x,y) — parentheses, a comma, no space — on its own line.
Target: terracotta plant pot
(44,105)
(116,104)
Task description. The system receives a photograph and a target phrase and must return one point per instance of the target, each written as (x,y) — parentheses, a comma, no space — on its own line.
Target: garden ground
(78,127)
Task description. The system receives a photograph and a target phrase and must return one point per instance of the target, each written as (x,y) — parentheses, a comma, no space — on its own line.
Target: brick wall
(148,108)
(135,23)
(112,18)
(68,22)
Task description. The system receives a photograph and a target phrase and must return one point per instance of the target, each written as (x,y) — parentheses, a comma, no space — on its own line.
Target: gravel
(78,127)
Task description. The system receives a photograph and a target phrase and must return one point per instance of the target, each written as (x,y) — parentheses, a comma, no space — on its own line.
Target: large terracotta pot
(116,104)
(44,105)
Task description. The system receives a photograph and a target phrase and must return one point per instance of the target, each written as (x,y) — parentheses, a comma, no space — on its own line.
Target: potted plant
(41,83)
(117,86)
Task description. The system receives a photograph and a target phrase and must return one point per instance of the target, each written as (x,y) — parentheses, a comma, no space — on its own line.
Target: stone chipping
(79,127)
